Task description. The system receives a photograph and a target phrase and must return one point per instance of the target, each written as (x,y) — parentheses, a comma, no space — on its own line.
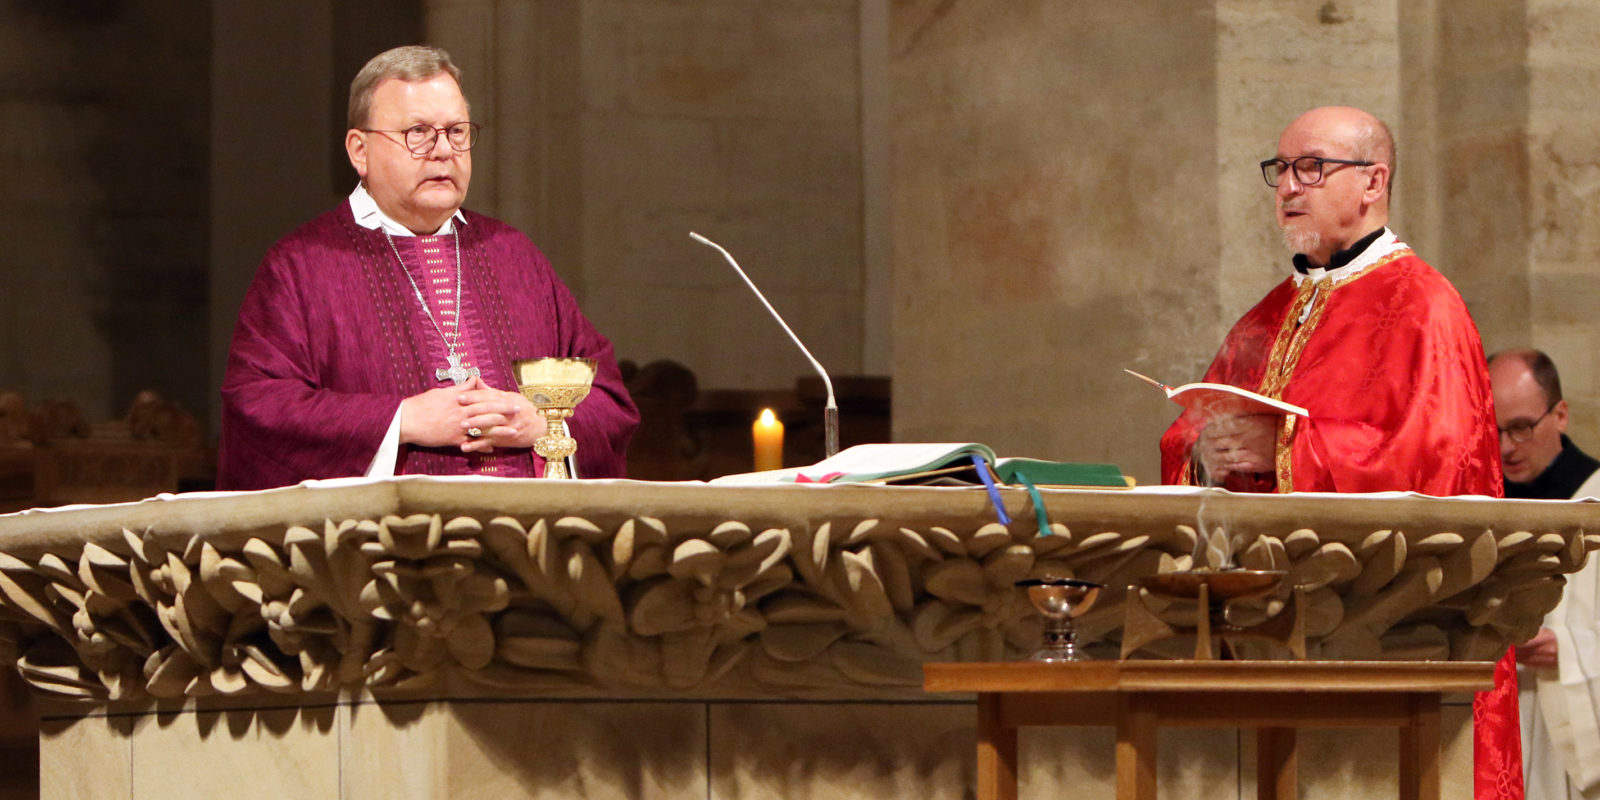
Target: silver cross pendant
(456,374)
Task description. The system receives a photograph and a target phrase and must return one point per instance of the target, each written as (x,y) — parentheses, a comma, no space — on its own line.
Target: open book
(1222,400)
(939,463)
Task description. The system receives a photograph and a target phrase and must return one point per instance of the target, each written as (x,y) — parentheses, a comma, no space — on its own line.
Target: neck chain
(454,372)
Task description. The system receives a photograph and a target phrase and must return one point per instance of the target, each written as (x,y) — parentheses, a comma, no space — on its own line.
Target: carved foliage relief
(564,605)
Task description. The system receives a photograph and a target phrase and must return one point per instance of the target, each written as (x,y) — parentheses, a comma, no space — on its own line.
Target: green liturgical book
(1060,473)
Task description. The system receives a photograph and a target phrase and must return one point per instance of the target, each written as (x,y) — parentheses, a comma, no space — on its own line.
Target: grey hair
(410,63)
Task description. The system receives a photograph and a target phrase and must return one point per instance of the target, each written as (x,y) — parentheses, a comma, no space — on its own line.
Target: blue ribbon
(994,491)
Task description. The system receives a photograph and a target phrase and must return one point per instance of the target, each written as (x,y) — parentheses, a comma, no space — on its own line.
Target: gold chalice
(1060,601)
(555,386)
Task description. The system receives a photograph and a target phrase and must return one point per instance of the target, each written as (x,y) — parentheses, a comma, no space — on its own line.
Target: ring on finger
(474,432)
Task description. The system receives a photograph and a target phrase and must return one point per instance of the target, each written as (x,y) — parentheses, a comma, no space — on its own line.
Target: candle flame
(767,417)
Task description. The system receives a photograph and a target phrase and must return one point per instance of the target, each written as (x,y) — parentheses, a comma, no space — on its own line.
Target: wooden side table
(1273,697)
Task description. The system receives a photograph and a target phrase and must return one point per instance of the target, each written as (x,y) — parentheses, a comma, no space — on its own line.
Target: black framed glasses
(1522,430)
(420,139)
(1308,170)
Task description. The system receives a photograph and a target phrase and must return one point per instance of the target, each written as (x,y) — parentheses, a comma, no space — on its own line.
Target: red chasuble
(331,338)
(1385,358)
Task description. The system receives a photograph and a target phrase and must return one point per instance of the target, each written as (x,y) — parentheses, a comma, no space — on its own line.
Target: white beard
(1300,240)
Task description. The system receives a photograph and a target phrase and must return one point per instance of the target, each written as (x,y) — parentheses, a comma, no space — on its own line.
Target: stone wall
(1000,204)
(1055,219)
(627,124)
(102,268)
(1482,187)
(276,142)
(1563,204)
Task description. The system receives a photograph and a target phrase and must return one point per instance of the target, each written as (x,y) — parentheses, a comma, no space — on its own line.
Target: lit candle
(767,433)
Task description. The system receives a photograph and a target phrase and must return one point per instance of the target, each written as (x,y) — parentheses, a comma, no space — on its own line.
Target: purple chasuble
(331,338)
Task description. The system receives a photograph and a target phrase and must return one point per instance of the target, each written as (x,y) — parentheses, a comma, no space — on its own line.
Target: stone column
(1472,82)
(1563,204)
(280,86)
(265,178)
(618,127)
(1055,218)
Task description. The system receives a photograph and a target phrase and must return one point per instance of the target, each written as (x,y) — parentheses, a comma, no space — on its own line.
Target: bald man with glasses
(1372,341)
(1379,349)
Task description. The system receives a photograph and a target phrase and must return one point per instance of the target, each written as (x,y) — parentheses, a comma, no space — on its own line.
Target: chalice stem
(556,447)
(1059,643)
(555,386)
(1058,601)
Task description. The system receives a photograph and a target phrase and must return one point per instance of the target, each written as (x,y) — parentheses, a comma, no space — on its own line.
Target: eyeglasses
(420,139)
(1307,169)
(1522,430)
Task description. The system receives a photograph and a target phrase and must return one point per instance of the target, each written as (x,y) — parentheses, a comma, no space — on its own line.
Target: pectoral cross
(456,374)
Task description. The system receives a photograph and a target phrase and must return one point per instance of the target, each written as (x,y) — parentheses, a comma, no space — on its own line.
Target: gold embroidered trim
(1282,458)
(1291,342)
(1293,335)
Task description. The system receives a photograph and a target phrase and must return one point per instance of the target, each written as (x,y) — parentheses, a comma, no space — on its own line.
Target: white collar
(368,215)
(1383,246)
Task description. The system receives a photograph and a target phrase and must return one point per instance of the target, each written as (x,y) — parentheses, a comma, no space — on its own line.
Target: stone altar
(402,608)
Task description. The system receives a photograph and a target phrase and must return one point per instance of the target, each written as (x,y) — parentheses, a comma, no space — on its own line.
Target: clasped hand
(444,416)
(1242,444)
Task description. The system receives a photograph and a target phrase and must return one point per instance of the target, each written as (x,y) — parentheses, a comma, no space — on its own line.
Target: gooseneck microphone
(830,412)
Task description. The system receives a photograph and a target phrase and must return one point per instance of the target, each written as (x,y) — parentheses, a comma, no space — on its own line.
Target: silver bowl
(1060,601)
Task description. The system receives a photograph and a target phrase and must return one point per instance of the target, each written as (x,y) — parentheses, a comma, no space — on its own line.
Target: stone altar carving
(460,585)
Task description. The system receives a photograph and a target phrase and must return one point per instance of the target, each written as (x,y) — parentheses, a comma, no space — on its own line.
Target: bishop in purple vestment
(378,338)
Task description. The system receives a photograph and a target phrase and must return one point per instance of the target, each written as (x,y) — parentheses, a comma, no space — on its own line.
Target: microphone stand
(830,411)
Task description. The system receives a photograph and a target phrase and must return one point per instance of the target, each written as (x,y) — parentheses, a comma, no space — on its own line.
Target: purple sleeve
(281,421)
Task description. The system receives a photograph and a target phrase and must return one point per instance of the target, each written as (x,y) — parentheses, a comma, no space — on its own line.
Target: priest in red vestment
(378,338)
(1379,348)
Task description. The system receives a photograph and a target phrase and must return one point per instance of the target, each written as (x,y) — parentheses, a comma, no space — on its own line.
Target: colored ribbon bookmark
(994,491)
(1038,505)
